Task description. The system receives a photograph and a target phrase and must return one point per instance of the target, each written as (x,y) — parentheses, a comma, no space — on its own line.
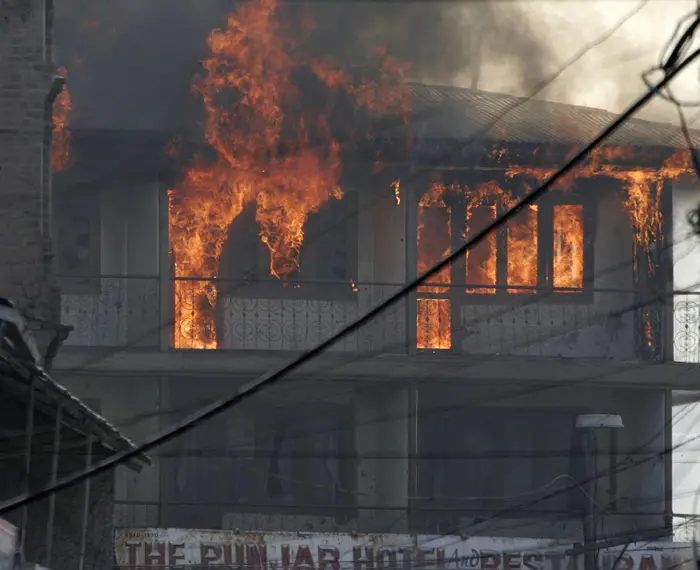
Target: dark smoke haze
(131,62)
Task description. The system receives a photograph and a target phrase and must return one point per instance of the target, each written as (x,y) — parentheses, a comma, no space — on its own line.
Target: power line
(268,379)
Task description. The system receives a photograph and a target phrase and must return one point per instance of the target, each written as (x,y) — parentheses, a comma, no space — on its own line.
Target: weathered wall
(635,505)
(26,75)
(133,404)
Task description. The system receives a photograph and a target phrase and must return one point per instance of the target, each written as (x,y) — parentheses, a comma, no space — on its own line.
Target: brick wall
(26,77)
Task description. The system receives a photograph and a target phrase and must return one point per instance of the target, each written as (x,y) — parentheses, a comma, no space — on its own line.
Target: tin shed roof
(81,416)
(459,113)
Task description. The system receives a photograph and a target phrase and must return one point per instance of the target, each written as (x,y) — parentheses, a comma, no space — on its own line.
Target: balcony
(187,314)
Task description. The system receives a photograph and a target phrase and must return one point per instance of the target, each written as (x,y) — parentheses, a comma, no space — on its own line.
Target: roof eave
(83,417)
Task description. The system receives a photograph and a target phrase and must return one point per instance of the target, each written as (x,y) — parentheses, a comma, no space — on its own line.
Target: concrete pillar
(642,474)
(142,223)
(142,265)
(686,276)
(113,242)
(365,251)
(383,423)
(382,264)
(614,270)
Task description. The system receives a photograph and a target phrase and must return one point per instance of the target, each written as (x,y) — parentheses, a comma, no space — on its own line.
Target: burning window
(481,259)
(522,236)
(507,261)
(568,246)
(433,315)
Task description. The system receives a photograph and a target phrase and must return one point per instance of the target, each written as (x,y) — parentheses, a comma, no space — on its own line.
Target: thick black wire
(257,385)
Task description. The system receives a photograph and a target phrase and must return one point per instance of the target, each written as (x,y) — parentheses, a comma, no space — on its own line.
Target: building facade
(455,406)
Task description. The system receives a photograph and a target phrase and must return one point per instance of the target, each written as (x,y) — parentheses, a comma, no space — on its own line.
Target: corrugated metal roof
(112,437)
(453,112)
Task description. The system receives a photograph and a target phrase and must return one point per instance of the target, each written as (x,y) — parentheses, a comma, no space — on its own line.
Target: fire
(273,149)
(434,316)
(62,109)
(522,242)
(482,209)
(484,202)
(396,188)
(568,246)
(481,259)
(643,185)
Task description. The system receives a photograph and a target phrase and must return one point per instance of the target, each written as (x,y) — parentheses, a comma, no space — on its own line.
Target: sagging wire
(675,52)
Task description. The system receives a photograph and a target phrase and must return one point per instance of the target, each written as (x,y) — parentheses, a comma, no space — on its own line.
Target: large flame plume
(272,149)
(62,109)
(643,188)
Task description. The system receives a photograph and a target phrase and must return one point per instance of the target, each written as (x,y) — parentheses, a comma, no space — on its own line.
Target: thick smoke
(131,62)
(441,40)
(609,75)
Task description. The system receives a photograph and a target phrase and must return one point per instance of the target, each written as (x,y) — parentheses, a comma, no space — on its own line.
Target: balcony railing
(686,327)
(111,311)
(292,316)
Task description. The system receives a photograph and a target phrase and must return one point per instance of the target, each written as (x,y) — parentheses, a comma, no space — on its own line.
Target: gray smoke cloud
(441,40)
(131,62)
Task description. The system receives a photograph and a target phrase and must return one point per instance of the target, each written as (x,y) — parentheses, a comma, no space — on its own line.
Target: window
(295,459)
(304,450)
(541,246)
(434,238)
(522,235)
(492,457)
(327,253)
(568,254)
(77,241)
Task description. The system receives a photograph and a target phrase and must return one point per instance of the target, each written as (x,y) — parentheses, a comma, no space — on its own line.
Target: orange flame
(522,236)
(396,188)
(433,316)
(271,150)
(643,185)
(482,208)
(568,246)
(62,109)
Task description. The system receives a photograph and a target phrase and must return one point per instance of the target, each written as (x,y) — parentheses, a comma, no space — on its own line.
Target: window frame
(77,283)
(545,254)
(267,429)
(448,497)
(303,286)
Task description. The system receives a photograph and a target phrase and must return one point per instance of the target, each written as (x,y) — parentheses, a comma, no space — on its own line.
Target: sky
(608,77)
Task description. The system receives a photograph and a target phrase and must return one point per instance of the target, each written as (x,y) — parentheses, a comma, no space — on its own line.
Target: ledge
(381,368)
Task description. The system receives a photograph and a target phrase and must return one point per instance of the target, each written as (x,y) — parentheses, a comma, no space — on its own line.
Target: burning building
(192,260)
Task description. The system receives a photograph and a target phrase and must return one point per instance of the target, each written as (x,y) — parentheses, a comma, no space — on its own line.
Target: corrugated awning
(76,414)
(458,113)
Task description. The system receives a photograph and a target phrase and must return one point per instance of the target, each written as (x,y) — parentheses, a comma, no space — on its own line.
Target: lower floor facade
(424,455)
